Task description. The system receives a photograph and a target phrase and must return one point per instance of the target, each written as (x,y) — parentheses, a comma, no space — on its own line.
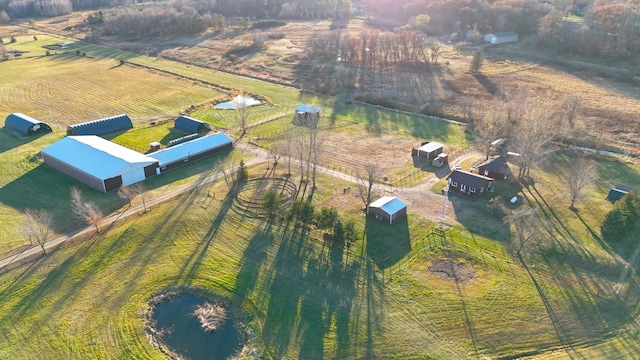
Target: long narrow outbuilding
(99,163)
(185,152)
(25,125)
(101,126)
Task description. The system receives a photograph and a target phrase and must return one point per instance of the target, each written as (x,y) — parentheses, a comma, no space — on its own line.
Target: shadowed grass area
(303,298)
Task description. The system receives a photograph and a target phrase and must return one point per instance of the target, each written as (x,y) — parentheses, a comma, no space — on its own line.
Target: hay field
(66,88)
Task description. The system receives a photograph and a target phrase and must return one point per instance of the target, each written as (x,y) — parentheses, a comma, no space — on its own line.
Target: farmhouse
(25,125)
(428,151)
(99,163)
(101,126)
(306,115)
(388,208)
(191,125)
(469,184)
(495,167)
(501,37)
(185,152)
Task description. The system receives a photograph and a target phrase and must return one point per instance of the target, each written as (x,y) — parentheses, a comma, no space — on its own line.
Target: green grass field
(570,295)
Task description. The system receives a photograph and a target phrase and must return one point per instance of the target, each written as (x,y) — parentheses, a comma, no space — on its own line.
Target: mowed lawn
(304,299)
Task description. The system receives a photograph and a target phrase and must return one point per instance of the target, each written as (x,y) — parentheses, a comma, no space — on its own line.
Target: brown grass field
(608,113)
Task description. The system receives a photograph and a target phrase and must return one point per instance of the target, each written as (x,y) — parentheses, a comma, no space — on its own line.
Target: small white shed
(501,37)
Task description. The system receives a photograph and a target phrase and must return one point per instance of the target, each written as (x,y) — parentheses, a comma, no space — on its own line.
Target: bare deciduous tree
(532,134)
(242,108)
(490,125)
(126,193)
(580,173)
(366,182)
(36,226)
(88,211)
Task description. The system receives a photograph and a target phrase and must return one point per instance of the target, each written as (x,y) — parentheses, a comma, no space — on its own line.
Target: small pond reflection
(184,335)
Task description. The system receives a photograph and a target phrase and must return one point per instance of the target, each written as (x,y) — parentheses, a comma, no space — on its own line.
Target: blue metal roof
(101,126)
(190,125)
(307,108)
(96,156)
(389,204)
(190,148)
(24,124)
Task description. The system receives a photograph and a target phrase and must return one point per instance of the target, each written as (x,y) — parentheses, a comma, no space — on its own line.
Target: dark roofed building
(469,184)
(101,126)
(25,125)
(191,125)
(496,168)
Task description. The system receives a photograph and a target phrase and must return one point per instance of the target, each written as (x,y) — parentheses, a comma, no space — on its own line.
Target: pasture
(401,291)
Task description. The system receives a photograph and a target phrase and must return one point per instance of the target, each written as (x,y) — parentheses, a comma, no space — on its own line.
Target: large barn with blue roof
(101,126)
(25,125)
(99,163)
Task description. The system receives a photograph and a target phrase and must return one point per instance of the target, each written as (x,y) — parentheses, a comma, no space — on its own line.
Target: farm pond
(184,325)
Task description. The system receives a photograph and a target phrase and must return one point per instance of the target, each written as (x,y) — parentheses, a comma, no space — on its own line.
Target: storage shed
(306,115)
(25,125)
(495,167)
(616,193)
(389,208)
(99,163)
(101,126)
(191,125)
(501,37)
(199,148)
(428,151)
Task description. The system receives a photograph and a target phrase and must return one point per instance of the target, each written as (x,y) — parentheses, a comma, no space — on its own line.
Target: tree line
(372,48)
(228,8)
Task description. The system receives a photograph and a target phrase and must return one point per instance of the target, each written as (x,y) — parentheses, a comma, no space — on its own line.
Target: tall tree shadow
(387,243)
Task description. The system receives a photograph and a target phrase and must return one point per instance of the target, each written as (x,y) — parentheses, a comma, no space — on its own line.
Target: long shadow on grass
(52,192)
(308,294)
(192,264)
(593,303)
(96,255)
(387,243)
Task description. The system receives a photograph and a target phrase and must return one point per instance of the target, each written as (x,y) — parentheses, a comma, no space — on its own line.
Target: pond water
(242,101)
(184,335)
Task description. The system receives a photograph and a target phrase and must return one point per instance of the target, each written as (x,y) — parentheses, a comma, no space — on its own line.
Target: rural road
(419,195)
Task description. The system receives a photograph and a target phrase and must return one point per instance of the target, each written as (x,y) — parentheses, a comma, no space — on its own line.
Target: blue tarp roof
(24,124)
(307,108)
(96,156)
(389,204)
(101,126)
(190,125)
(190,148)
